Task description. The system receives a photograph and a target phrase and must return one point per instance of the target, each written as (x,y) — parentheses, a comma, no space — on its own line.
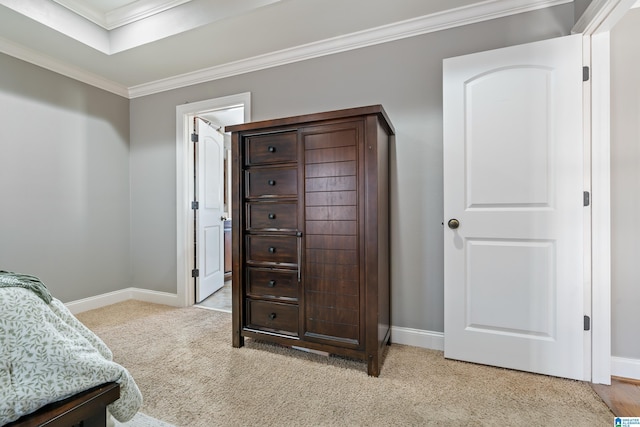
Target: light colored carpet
(190,375)
(140,420)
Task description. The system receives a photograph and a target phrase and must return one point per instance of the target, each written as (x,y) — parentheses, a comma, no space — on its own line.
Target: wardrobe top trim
(315,117)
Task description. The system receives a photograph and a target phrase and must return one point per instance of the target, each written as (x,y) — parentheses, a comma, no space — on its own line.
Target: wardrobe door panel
(332,279)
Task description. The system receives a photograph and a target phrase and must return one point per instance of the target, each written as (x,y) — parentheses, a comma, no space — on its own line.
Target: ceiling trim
(483,11)
(452,18)
(139,10)
(120,16)
(18,51)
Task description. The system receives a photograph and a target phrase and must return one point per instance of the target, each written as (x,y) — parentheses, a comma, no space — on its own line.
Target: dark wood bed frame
(85,409)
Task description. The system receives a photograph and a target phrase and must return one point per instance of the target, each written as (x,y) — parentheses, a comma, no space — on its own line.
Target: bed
(53,370)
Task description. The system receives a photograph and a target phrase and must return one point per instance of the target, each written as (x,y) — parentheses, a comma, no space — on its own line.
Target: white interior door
(210,212)
(513,180)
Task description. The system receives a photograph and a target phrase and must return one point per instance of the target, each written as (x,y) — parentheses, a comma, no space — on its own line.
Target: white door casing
(513,178)
(595,25)
(209,215)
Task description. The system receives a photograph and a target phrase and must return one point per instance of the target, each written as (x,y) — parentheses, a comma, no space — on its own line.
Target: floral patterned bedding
(47,355)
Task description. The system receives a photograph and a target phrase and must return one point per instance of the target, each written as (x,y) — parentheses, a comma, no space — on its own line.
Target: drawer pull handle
(272,250)
(271,149)
(272,316)
(272,216)
(271,284)
(271,182)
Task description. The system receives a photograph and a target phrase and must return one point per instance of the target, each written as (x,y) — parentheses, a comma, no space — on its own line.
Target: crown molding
(478,12)
(472,14)
(60,67)
(84,10)
(137,11)
(120,16)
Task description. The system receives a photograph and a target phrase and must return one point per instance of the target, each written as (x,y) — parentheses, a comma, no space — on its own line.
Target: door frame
(184,186)
(595,25)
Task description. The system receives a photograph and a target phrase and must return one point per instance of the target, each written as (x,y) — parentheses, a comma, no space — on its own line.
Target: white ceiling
(138,47)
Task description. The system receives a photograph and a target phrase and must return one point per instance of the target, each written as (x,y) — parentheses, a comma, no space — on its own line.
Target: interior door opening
(212,206)
(203,197)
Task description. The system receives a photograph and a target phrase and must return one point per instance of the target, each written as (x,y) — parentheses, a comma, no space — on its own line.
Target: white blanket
(47,355)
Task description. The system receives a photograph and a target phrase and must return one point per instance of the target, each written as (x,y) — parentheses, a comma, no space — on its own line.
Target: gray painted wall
(625,186)
(405,77)
(579,7)
(64,182)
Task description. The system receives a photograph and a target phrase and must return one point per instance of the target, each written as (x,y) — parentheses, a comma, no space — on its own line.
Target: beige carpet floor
(190,375)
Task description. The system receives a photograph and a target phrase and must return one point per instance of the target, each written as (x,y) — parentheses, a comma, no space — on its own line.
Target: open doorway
(203,199)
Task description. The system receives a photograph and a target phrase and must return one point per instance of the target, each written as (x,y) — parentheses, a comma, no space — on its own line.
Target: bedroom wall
(579,7)
(64,181)
(404,76)
(625,185)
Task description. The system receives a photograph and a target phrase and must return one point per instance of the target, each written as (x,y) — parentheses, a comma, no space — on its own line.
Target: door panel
(523,138)
(513,178)
(333,294)
(530,308)
(209,223)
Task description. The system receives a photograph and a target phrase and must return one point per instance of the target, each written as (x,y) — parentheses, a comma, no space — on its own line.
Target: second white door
(513,208)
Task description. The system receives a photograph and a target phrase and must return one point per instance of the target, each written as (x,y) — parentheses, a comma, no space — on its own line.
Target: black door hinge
(195,273)
(587,323)
(585,74)
(194,137)
(195,205)
(586,198)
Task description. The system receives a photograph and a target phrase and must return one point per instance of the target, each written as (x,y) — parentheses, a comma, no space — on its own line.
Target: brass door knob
(453,223)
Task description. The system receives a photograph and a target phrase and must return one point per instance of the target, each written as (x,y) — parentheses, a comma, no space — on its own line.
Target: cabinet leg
(373,367)
(238,340)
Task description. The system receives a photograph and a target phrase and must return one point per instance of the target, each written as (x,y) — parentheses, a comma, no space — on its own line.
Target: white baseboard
(417,338)
(620,367)
(625,368)
(103,300)
(399,335)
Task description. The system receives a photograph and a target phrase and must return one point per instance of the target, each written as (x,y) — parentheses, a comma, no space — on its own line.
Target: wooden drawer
(276,216)
(273,316)
(272,148)
(273,249)
(265,282)
(272,182)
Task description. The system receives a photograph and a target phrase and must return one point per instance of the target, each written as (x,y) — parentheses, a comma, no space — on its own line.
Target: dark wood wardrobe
(310,238)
